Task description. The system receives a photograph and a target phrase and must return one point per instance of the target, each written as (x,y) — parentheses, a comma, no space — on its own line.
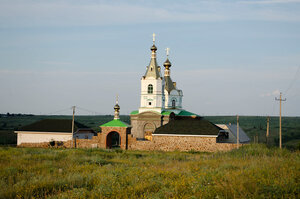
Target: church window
(173,103)
(150,103)
(150,89)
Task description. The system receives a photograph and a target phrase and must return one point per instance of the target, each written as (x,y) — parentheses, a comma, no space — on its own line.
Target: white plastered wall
(173,95)
(156,98)
(39,137)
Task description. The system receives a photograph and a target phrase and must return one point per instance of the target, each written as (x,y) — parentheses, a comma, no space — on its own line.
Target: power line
(293,80)
(89,111)
(70,108)
(58,111)
(273,109)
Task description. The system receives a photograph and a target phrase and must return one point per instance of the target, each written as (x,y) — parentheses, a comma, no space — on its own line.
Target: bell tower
(152,85)
(172,95)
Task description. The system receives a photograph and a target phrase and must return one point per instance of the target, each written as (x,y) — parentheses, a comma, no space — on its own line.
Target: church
(160,123)
(160,98)
(160,102)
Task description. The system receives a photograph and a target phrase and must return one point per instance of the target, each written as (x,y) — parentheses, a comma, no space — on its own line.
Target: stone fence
(158,143)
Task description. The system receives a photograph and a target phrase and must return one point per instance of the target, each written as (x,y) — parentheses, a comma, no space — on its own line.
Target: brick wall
(180,143)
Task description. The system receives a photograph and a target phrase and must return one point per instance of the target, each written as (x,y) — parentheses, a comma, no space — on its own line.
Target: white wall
(38,137)
(176,95)
(156,98)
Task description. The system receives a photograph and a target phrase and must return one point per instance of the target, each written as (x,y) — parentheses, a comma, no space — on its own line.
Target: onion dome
(117,107)
(153,48)
(167,64)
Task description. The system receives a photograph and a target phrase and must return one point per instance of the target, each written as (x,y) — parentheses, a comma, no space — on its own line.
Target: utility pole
(237,132)
(280,100)
(268,125)
(73,107)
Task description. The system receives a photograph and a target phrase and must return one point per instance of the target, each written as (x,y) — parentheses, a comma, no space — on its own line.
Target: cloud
(269,94)
(56,63)
(67,73)
(270,2)
(92,13)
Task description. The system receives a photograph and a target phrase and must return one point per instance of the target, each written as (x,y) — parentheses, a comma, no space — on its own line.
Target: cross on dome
(167,51)
(153,35)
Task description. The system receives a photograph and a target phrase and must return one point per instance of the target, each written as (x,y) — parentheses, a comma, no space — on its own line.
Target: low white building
(53,130)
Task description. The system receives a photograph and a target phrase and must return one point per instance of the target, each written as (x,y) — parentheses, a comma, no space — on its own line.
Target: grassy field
(252,125)
(254,171)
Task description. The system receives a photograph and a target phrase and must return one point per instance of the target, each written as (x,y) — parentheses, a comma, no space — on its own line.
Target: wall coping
(41,132)
(180,135)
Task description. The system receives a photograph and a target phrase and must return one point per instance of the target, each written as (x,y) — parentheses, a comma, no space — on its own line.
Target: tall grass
(253,171)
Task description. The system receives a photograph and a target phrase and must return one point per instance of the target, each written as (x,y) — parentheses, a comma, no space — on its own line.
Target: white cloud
(61,13)
(270,1)
(56,63)
(269,94)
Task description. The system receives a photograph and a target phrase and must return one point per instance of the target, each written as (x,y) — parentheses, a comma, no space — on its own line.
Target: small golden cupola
(153,48)
(169,85)
(117,110)
(167,64)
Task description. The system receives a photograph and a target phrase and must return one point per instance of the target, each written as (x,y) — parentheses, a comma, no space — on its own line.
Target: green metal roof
(115,123)
(134,113)
(181,113)
(186,113)
(166,112)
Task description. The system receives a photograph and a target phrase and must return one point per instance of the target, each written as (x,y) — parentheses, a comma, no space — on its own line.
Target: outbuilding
(53,130)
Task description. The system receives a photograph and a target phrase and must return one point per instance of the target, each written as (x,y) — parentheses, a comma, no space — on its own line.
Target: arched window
(150,88)
(173,103)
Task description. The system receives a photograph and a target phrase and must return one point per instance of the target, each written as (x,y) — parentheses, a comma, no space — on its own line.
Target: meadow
(253,171)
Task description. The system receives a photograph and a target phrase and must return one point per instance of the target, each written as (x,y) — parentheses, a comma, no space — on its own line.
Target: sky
(228,57)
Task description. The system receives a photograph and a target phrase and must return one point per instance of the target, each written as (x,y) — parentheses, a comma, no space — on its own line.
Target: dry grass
(251,172)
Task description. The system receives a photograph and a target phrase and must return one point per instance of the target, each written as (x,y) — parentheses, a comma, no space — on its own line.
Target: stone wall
(158,143)
(180,143)
(139,121)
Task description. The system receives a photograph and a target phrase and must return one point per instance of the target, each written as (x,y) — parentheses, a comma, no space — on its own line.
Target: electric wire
(58,111)
(293,81)
(89,111)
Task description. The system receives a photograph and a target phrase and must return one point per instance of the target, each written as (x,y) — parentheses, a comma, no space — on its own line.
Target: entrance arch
(113,140)
(149,128)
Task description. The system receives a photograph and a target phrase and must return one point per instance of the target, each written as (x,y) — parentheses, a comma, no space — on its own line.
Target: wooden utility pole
(268,125)
(73,107)
(255,142)
(237,132)
(280,100)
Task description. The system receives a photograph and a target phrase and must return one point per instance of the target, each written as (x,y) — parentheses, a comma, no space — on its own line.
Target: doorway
(113,140)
